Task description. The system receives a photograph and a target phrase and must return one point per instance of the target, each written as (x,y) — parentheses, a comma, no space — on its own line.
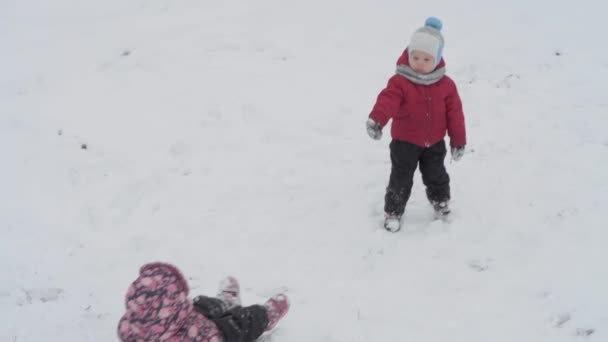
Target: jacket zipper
(428,117)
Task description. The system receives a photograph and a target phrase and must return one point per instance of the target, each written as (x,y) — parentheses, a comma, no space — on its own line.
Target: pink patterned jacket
(158,309)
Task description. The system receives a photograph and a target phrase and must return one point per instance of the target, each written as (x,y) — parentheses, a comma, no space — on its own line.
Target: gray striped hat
(428,39)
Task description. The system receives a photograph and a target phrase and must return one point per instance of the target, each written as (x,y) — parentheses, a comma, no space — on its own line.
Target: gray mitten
(457,152)
(373,129)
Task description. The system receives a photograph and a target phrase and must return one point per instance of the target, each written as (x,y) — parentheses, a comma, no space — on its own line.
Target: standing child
(423,103)
(158,309)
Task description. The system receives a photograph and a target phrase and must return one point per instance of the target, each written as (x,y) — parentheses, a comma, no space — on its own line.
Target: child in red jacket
(158,309)
(424,104)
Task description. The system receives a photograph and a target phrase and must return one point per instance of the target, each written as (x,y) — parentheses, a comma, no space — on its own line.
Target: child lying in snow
(158,309)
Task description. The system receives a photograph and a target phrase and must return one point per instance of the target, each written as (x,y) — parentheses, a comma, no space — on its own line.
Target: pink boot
(229,292)
(276,307)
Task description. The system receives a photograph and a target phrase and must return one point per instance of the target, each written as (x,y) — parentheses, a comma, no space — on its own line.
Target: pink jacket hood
(158,309)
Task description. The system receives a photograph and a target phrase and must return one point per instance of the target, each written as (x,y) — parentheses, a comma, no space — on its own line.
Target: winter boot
(392,222)
(441,208)
(276,307)
(229,292)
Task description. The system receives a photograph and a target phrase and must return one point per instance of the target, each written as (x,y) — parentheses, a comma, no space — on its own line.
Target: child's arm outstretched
(388,102)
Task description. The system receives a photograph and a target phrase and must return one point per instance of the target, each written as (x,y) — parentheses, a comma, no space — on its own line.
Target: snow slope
(228,138)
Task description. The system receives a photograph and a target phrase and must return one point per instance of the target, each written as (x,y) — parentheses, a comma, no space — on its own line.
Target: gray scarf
(424,79)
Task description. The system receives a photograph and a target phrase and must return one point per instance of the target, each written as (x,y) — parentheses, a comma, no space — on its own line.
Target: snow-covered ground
(228,137)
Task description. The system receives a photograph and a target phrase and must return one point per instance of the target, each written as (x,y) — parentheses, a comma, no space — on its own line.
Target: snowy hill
(228,138)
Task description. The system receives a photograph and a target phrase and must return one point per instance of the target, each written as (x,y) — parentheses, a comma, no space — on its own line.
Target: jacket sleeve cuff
(379,118)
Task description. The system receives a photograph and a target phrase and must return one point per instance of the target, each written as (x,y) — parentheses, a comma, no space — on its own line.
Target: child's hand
(373,129)
(457,152)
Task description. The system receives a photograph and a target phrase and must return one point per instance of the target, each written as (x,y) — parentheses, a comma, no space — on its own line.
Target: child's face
(422,62)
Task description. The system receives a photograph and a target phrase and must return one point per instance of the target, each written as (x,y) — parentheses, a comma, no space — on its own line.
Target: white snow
(228,137)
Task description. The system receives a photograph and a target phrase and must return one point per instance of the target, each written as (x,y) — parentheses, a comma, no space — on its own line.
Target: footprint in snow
(480,265)
(40,295)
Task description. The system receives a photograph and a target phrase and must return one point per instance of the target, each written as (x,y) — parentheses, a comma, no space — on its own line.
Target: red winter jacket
(421,113)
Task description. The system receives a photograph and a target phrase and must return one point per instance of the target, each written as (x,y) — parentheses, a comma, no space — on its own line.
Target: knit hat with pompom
(428,39)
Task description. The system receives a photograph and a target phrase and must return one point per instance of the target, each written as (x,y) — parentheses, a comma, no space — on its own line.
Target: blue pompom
(434,23)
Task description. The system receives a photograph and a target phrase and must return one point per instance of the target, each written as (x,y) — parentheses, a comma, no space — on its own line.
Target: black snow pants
(239,324)
(405,158)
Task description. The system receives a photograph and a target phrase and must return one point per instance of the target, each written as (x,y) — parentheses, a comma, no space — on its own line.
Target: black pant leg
(210,307)
(404,161)
(243,324)
(434,175)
